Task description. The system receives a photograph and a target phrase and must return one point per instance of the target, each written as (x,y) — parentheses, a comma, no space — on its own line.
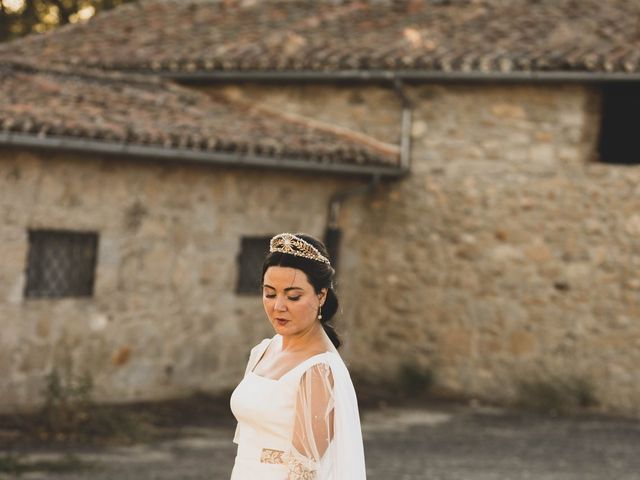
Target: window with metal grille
(619,124)
(252,253)
(61,264)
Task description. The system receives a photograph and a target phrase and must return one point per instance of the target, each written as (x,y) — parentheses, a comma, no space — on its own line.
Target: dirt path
(400,444)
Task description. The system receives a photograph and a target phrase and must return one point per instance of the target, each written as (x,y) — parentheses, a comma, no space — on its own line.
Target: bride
(296,406)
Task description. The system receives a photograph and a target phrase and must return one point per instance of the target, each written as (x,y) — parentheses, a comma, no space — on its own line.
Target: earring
(319,313)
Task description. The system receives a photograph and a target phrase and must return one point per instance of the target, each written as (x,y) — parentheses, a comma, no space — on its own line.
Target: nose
(280,305)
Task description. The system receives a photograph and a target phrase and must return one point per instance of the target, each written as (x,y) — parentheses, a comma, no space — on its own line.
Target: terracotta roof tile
(127,109)
(491,36)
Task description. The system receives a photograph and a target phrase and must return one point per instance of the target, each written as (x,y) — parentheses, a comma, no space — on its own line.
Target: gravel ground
(448,443)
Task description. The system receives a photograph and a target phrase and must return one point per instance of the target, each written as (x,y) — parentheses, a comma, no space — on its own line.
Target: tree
(21,17)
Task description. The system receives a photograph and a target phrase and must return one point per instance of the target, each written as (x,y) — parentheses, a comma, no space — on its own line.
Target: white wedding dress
(303,426)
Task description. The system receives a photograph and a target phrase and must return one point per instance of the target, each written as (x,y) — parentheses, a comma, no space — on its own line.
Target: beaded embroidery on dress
(303,426)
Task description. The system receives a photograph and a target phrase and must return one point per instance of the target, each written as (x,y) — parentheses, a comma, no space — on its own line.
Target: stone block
(418,129)
(543,136)
(454,342)
(43,327)
(505,254)
(542,154)
(538,252)
(508,111)
(521,343)
(121,356)
(632,225)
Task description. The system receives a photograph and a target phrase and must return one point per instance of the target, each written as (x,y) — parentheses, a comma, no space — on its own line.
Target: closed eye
(272,295)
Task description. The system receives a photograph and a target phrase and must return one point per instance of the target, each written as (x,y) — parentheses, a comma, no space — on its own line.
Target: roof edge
(390,75)
(194,156)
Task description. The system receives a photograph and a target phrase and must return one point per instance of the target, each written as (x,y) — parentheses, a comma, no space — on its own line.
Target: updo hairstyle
(319,274)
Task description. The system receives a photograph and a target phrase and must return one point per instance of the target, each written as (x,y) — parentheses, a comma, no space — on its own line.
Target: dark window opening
(252,253)
(61,264)
(620,125)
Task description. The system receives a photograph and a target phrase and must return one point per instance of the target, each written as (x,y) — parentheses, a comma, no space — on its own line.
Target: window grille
(252,253)
(619,124)
(61,264)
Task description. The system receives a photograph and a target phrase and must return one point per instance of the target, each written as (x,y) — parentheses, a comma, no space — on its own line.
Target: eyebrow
(286,289)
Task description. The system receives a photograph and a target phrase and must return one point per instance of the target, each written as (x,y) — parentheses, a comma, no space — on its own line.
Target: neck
(302,340)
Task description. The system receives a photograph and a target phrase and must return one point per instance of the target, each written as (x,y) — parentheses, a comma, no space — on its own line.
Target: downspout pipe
(405,126)
(333,233)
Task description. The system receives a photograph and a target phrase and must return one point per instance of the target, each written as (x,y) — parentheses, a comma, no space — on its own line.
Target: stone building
(481,153)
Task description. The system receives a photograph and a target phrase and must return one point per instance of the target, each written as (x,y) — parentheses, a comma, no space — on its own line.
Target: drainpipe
(333,233)
(405,127)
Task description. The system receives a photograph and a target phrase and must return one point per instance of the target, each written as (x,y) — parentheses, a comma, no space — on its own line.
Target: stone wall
(519,253)
(510,255)
(165,319)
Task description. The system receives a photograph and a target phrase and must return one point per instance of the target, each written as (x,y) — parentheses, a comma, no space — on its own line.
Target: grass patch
(15,465)
(556,395)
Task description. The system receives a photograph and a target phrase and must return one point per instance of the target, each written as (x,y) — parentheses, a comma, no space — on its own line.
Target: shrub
(414,380)
(556,394)
(70,413)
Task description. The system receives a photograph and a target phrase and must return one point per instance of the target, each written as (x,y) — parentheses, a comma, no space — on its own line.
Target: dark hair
(319,274)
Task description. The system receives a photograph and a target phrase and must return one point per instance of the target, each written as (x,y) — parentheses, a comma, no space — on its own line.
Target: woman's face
(290,301)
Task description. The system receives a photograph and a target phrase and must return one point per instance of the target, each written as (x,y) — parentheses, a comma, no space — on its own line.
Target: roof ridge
(309,122)
(19,64)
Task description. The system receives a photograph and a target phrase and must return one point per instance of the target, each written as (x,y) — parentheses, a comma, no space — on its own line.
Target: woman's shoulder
(263,343)
(322,363)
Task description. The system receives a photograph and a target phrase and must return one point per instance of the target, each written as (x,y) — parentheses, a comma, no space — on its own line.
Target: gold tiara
(289,243)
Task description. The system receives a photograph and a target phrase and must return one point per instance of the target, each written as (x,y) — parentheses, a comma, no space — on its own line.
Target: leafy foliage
(21,17)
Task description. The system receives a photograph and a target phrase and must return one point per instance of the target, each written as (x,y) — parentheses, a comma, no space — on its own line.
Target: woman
(296,406)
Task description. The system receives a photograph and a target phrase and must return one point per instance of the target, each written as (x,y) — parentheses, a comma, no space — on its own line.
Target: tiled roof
(124,109)
(483,36)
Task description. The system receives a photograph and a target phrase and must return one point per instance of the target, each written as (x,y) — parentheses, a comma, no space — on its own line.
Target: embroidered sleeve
(313,426)
(299,468)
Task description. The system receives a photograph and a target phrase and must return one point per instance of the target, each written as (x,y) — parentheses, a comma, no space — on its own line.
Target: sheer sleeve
(313,428)
(326,438)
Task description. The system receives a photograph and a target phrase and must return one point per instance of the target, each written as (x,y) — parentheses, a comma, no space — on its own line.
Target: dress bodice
(265,410)
(266,405)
